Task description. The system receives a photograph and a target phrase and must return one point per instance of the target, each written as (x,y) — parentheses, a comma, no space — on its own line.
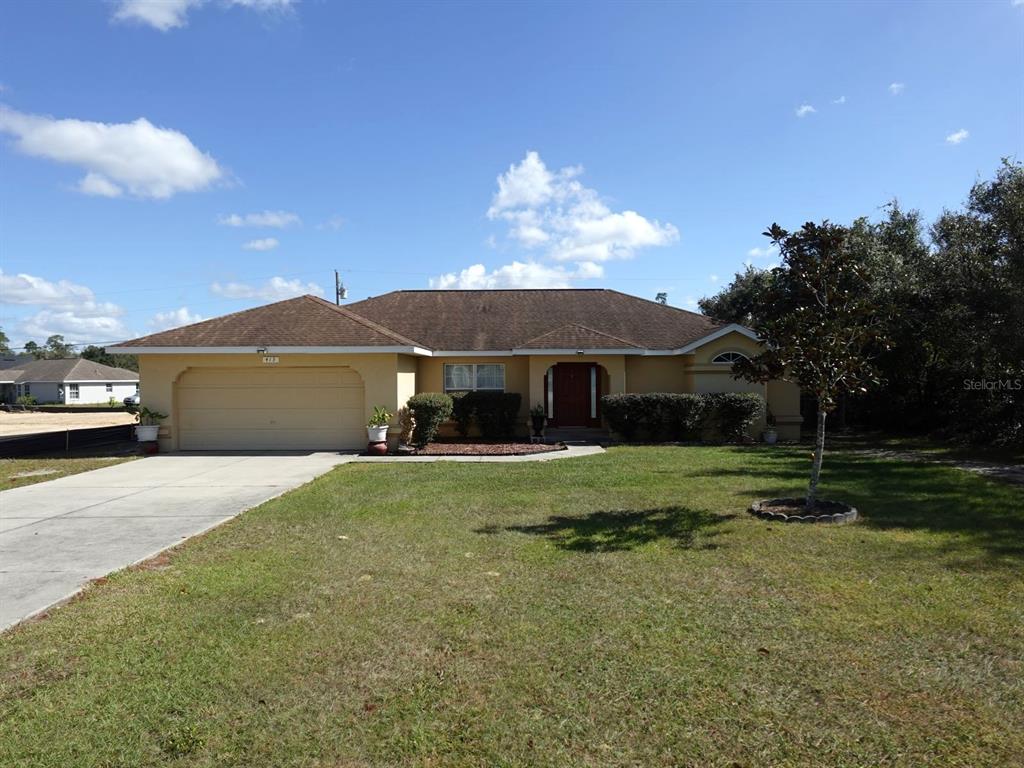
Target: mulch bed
(794,511)
(486,449)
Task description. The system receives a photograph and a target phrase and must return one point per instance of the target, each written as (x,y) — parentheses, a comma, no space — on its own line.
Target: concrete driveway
(56,536)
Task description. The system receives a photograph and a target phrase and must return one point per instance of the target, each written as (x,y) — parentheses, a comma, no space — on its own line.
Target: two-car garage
(270,409)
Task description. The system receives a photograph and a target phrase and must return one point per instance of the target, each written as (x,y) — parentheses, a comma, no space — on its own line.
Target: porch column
(538,367)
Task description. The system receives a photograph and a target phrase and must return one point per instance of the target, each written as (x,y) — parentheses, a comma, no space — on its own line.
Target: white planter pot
(770,436)
(377,434)
(146,433)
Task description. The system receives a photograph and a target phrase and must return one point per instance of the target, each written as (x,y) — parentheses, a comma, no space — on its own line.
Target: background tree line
(55,348)
(949,298)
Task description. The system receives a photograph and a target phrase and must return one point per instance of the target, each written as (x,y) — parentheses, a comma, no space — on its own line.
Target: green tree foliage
(5,344)
(818,321)
(740,301)
(100,355)
(57,348)
(950,300)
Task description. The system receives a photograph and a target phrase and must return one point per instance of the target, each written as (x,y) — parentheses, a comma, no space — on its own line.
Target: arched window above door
(728,357)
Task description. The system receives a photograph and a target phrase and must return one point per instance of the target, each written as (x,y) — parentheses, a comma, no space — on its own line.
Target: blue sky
(168,160)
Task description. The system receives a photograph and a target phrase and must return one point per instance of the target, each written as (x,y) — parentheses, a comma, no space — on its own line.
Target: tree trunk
(819,453)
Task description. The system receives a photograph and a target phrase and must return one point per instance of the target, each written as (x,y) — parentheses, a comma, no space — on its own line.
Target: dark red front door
(571,392)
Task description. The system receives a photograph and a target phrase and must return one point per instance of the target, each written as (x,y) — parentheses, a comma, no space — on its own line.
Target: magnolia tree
(819,327)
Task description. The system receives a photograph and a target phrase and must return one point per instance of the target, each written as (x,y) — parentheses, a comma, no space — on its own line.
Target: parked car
(132,400)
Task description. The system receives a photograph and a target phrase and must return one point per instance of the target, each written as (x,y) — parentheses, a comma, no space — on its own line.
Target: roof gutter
(269,349)
(423,352)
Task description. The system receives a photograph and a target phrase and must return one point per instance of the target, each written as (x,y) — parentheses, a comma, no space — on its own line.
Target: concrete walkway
(56,536)
(572,451)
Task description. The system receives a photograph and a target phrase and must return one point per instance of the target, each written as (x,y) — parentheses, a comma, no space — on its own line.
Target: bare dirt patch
(34,421)
(486,449)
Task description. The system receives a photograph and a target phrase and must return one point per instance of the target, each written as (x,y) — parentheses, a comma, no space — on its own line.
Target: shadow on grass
(624,530)
(895,494)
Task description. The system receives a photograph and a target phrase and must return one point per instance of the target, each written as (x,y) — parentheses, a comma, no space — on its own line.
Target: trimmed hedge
(734,412)
(429,411)
(495,412)
(462,412)
(664,416)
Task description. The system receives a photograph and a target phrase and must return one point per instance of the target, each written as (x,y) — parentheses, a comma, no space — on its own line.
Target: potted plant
(537,419)
(770,436)
(148,425)
(377,426)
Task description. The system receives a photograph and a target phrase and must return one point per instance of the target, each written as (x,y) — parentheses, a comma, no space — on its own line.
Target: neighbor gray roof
(67,369)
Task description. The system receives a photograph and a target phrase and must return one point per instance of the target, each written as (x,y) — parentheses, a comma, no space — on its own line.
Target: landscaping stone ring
(795,511)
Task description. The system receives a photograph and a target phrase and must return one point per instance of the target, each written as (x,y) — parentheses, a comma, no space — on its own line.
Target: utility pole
(340,291)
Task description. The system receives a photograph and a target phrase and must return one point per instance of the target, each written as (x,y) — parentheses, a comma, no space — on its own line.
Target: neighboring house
(69,381)
(305,373)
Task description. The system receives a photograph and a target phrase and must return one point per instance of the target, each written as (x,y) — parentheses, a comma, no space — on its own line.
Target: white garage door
(270,408)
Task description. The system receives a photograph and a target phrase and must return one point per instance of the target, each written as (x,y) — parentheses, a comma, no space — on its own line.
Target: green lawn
(614,610)
(42,468)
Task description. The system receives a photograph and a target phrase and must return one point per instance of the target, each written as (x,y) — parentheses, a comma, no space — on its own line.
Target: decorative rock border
(840,513)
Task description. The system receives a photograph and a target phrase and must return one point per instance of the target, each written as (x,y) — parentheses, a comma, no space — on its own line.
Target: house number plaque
(271,359)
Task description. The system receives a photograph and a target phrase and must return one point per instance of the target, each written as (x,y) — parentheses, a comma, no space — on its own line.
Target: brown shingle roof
(509,319)
(451,321)
(306,321)
(575,336)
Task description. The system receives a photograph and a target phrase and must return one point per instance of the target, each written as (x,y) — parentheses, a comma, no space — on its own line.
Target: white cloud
(262,244)
(165,15)
(272,219)
(840,100)
(690,303)
(804,110)
(518,274)
(962,134)
(274,289)
(334,223)
(174,318)
(74,327)
(768,252)
(897,88)
(763,258)
(159,14)
(713,278)
(67,308)
(101,186)
(139,157)
(552,211)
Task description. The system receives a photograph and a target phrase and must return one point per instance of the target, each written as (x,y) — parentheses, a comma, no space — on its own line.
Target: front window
(467,377)
(728,357)
(72,391)
(110,387)
(28,389)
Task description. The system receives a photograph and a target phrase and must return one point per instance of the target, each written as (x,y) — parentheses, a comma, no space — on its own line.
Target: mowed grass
(40,469)
(614,610)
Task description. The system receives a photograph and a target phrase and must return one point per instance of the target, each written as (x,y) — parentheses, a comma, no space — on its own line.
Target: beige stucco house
(305,373)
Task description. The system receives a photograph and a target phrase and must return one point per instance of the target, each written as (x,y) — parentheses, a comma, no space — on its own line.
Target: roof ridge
(210,319)
(666,306)
(585,328)
(366,322)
